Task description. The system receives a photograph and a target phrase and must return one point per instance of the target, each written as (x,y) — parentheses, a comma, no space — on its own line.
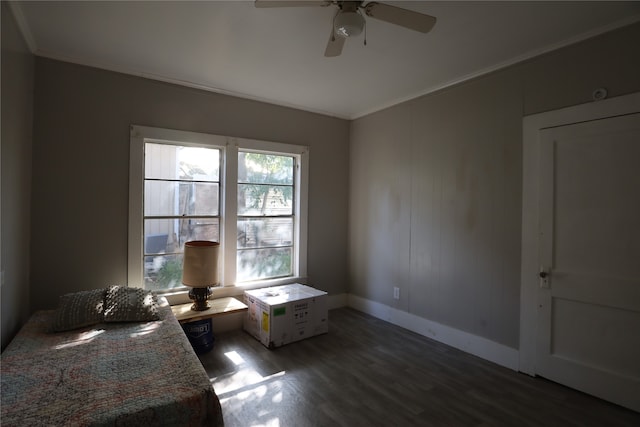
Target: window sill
(181,296)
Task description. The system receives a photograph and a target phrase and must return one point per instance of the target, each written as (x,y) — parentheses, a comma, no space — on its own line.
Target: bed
(127,373)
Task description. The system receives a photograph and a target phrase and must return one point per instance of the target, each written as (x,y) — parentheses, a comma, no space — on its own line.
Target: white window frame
(229,147)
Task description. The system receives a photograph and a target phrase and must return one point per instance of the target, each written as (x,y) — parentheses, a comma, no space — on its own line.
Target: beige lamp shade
(200,265)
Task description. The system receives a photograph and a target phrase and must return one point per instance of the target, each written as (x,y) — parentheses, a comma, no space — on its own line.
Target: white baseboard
(465,341)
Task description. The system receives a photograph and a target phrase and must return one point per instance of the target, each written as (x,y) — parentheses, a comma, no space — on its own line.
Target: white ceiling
(277,54)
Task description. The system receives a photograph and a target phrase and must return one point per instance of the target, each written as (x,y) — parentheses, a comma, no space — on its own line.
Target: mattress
(137,373)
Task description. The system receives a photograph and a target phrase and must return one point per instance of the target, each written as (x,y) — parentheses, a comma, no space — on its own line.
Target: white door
(589,255)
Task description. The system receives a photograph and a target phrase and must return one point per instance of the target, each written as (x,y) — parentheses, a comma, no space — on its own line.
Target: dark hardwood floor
(367,372)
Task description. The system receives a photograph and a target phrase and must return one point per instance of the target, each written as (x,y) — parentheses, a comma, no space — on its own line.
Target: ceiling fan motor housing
(348,21)
(348,24)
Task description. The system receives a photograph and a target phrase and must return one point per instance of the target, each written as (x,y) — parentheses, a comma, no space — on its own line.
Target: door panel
(579,336)
(589,304)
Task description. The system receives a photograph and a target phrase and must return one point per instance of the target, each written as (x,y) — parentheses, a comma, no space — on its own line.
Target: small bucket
(200,335)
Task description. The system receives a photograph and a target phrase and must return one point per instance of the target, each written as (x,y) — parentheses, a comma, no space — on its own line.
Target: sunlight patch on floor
(235,357)
(242,378)
(266,395)
(244,385)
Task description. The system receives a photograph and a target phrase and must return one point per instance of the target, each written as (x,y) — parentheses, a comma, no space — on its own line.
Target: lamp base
(199,296)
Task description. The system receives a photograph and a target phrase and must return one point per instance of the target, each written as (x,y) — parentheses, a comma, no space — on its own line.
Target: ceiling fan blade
(403,17)
(290,3)
(334,45)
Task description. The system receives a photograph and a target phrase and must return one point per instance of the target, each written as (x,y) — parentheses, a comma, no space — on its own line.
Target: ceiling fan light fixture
(348,23)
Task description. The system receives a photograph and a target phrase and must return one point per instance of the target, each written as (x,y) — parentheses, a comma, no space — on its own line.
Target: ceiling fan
(349,22)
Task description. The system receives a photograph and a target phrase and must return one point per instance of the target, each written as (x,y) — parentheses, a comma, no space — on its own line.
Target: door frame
(530,263)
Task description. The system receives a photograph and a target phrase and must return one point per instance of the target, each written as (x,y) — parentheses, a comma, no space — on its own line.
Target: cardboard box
(283,314)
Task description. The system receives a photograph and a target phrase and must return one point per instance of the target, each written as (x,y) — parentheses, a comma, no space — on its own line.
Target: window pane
(263,263)
(162,272)
(164,161)
(268,232)
(173,233)
(260,200)
(265,168)
(180,198)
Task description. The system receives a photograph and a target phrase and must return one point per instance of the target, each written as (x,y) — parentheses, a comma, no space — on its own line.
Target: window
(248,195)
(181,203)
(265,215)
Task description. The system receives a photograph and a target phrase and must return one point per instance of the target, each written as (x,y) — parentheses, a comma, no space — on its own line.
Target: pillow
(124,304)
(79,309)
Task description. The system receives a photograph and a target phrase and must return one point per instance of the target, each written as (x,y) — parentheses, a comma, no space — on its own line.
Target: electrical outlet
(396,292)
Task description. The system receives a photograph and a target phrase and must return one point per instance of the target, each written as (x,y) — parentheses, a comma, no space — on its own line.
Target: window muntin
(181,203)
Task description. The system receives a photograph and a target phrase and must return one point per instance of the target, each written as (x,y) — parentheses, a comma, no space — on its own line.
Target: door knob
(544,277)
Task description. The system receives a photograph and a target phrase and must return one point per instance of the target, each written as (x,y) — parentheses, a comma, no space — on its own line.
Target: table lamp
(200,271)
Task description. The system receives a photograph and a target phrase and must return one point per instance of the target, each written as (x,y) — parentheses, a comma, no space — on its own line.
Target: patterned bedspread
(108,374)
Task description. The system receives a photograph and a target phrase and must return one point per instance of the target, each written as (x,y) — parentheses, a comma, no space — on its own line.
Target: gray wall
(81,167)
(17,116)
(435,185)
